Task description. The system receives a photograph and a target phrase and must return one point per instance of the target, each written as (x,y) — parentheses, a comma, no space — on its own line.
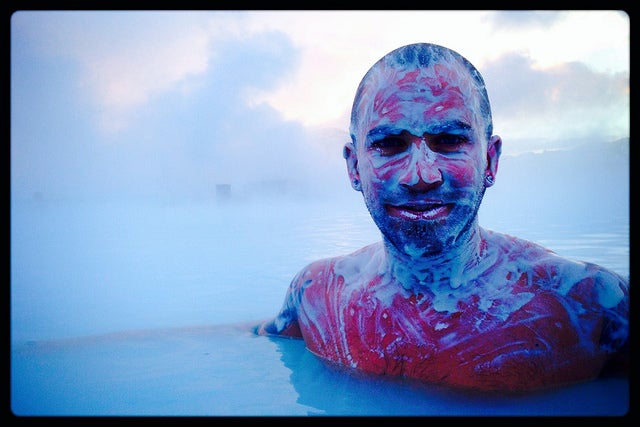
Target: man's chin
(416,243)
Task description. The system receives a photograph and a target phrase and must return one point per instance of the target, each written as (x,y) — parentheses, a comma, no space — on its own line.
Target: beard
(424,238)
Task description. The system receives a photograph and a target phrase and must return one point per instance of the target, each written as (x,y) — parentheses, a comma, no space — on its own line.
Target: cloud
(125,58)
(130,57)
(523,19)
(178,143)
(337,48)
(597,38)
(567,101)
(131,77)
(184,145)
(198,98)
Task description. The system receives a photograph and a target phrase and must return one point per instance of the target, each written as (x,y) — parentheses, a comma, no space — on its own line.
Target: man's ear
(349,154)
(494,149)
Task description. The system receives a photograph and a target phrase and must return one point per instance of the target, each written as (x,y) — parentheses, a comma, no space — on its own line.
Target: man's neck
(444,271)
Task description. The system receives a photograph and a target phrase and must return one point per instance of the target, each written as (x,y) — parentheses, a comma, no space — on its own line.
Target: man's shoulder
(511,243)
(534,257)
(323,269)
(526,251)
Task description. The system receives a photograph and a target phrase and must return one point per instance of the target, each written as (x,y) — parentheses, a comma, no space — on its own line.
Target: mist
(177,149)
(158,166)
(171,106)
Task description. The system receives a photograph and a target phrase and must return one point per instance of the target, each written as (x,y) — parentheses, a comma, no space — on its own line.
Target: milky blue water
(125,308)
(81,269)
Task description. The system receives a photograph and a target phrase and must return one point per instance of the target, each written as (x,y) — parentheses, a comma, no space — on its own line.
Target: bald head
(415,69)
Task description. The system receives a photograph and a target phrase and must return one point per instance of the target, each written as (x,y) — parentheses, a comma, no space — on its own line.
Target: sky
(168,104)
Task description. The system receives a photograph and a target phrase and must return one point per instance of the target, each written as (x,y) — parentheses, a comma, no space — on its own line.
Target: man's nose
(423,172)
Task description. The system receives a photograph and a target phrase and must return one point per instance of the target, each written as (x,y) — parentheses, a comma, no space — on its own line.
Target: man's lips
(422,210)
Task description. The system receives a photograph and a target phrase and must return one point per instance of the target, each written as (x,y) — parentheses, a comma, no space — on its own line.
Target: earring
(488,180)
(356,184)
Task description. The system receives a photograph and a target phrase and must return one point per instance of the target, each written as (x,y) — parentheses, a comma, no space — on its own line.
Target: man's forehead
(420,98)
(445,74)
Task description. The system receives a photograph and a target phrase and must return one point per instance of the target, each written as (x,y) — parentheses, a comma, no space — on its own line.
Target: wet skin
(440,298)
(422,158)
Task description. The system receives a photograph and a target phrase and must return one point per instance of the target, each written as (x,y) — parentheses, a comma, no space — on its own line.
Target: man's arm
(270,327)
(615,330)
(286,321)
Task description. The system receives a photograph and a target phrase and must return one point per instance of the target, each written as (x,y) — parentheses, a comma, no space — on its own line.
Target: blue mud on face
(229,371)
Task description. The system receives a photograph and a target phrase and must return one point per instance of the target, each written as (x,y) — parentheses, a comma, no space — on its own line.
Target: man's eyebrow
(383,130)
(432,129)
(448,126)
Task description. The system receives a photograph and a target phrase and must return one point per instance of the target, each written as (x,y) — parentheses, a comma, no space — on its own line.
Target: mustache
(434,197)
(419,200)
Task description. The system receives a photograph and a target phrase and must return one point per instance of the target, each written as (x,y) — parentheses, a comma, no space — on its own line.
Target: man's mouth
(419,211)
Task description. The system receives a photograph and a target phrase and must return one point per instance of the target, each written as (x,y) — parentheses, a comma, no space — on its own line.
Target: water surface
(145,309)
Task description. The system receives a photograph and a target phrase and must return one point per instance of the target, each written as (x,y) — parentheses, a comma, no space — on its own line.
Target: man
(440,298)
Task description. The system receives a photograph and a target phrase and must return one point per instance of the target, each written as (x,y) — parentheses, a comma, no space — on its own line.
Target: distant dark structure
(223,192)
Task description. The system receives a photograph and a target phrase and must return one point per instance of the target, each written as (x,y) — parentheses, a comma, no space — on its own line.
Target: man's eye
(390,145)
(448,142)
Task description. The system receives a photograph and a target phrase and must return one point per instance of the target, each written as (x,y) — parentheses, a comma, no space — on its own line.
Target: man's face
(421,156)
